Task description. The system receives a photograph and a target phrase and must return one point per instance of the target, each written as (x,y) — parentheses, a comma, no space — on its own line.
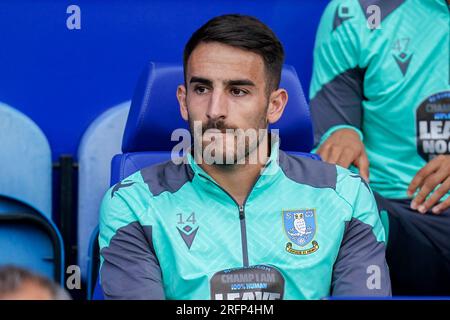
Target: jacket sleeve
(336,92)
(360,268)
(129,266)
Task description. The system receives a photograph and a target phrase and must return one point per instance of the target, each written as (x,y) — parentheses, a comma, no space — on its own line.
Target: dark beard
(222,127)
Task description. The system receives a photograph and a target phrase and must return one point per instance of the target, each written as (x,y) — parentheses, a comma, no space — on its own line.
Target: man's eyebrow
(236,82)
(240,82)
(201,80)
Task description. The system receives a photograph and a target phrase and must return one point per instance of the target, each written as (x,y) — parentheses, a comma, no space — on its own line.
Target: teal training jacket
(391,84)
(307,230)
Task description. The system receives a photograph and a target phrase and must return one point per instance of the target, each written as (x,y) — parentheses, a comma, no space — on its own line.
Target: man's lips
(218,131)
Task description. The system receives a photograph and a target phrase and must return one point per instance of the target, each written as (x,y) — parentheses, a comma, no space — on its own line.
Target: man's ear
(277,102)
(181,96)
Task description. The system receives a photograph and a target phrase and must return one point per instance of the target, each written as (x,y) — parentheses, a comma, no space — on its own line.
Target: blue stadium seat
(154,115)
(155,94)
(101,141)
(30,240)
(25,164)
(28,236)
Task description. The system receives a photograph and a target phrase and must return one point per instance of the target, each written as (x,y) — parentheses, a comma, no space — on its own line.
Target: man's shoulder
(351,185)
(320,174)
(130,198)
(308,171)
(166,176)
(155,179)
(340,11)
(358,12)
(347,177)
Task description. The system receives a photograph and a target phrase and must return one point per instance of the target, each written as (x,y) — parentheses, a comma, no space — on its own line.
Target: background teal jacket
(307,230)
(392,84)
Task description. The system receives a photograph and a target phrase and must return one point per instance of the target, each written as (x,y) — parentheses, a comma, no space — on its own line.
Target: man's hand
(344,147)
(435,172)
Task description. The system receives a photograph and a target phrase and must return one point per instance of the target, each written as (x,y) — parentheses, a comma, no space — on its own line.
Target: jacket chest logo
(187,227)
(300,228)
(401,54)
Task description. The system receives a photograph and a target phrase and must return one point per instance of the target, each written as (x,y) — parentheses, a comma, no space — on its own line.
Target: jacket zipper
(241,209)
(243,235)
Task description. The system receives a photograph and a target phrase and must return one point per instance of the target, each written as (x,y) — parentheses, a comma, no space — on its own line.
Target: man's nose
(217,108)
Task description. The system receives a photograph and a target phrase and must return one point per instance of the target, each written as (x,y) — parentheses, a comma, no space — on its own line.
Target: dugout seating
(101,141)
(28,236)
(154,115)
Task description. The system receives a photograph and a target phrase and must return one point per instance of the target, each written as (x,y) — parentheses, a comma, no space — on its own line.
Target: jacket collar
(269,172)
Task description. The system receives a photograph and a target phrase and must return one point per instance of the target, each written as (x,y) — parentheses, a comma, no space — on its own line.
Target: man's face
(226,89)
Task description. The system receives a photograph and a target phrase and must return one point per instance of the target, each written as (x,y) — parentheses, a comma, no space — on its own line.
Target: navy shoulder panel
(315,173)
(386,6)
(341,14)
(166,176)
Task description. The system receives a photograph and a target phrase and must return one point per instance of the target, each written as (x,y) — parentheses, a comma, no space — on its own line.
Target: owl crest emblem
(300,228)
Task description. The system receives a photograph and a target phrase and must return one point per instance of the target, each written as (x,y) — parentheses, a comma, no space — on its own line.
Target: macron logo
(121,185)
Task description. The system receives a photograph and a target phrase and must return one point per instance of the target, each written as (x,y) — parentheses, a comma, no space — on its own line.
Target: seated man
(380,100)
(225,226)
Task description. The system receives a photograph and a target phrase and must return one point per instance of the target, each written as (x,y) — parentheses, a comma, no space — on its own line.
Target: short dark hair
(243,32)
(13,277)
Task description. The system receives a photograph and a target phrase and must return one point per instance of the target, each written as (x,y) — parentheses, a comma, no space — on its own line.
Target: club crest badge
(300,228)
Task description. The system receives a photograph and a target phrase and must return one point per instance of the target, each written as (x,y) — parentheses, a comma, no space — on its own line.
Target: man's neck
(239,179)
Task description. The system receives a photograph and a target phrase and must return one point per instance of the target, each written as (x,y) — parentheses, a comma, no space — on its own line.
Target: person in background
(380,101)
(19,284)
